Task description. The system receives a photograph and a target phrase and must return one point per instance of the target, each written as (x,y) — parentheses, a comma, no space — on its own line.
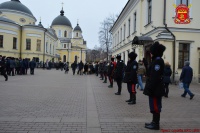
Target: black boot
(119,92)
(6,77)
(133,99)
(129,99)
(155,124)
(153,119)
(110,86)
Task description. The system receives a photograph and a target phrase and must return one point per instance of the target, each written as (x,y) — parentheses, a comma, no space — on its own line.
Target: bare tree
(105,37)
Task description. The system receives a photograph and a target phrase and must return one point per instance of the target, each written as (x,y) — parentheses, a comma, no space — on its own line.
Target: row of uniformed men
(128,74)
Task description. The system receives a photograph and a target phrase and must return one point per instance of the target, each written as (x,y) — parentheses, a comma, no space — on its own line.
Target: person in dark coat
(32,65)
(8,66)
(26,63)
(105,71)
(166,78)
(111,69)
(145,64)
(154,87)
(131,77)
(186,78)
(97,68)
(80,67)
(12,66)
(74,66)
(101,70)
(118,74)
(85,69)
(2,68)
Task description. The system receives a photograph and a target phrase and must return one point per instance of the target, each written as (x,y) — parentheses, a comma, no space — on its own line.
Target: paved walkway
(54,102)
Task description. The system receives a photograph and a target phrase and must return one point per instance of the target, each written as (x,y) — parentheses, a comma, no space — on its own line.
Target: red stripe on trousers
(155,105)
(133,88)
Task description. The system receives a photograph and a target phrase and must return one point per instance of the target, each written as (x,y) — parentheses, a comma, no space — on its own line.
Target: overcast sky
(89,12)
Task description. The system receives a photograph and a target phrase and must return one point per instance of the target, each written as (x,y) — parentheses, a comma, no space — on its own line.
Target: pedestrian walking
(74,66)
(186,79)
(131,77)
(154,87)
(140,73)
(118,74)
(67,67)
(166,78)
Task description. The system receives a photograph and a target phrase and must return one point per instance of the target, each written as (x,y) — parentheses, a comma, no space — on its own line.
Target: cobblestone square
(54,102)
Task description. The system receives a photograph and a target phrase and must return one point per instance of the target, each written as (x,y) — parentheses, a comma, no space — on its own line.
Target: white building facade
(155,19)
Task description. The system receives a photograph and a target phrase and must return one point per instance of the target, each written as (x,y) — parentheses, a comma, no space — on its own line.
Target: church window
(65,33)
(76,34)
(14,43)
(1,41)
(38,45)
(149,10)
(59,33)
(28,44)
(124,31)
(135,22)
(64,45)
(185,2)
(53,50)
(46,47)
(129,27)
(22,20)
(184,52)
(50,49)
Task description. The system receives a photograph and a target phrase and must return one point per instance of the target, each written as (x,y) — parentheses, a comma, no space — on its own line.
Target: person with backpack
(118,74)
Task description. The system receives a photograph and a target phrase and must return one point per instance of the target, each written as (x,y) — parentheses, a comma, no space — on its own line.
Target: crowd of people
(157,75)
(10,66)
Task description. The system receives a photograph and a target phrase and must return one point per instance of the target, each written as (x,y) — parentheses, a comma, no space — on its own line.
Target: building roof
(15,5)
(61,20)
(6,20)
(77,28)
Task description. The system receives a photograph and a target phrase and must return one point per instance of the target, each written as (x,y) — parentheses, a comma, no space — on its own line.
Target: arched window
(64,58)
(65,33)
(77,34)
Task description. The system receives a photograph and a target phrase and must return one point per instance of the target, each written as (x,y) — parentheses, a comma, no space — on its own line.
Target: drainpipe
(174,42)
(20,52)
(44,46)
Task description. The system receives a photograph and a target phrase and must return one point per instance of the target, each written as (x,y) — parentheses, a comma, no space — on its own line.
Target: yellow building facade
(154,20)
(20,37)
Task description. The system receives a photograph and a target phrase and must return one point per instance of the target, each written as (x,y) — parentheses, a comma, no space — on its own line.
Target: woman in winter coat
(166,78)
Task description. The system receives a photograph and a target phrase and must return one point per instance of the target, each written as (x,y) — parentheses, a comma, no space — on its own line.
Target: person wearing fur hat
(131,77)
(154,87)
(118,74)
(111,69)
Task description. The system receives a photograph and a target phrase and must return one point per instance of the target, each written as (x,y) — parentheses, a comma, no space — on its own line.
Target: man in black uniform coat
(154,87)
(101,70)
(131,77)
(118,74)
(2,67)
(111,69)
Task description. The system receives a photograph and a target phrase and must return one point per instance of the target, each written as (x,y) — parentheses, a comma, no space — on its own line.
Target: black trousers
(32,71)
(74,70)
(3,73)
(119,84)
